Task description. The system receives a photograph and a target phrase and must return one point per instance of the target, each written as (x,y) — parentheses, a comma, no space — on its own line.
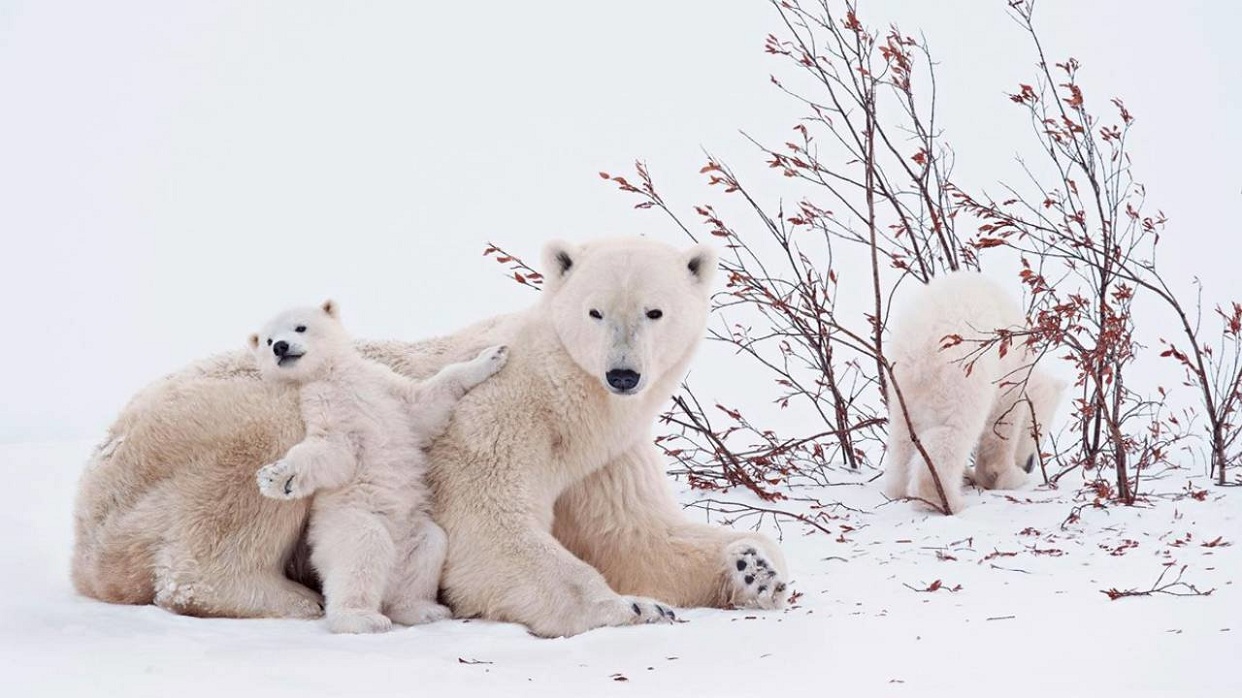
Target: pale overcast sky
(173,173)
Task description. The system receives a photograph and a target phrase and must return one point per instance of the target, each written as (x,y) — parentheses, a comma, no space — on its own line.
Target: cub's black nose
(622,379)
(280,348)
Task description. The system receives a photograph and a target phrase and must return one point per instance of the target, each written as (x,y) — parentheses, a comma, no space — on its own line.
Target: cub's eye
(655,314)
(596,314)
(269,341)
(300,328)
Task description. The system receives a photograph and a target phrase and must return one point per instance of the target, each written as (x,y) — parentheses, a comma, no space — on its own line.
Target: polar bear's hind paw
(754,581)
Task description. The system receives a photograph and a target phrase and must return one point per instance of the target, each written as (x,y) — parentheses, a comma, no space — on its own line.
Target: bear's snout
(622,380)
(280,348)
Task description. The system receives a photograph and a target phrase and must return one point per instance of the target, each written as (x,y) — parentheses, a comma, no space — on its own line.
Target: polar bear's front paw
(646,610)
(279,480)
(754,580)
(1008,477)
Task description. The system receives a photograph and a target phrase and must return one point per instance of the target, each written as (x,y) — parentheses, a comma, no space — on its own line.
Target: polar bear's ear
(331,308)
(253,341)
(701,260)
(559,258)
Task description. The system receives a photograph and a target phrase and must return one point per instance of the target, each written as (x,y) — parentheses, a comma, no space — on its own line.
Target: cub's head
(1044,392)
(629,311)
(301,343)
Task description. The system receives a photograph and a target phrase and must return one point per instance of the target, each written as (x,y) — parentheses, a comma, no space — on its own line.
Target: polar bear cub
(372,540)
(961,396)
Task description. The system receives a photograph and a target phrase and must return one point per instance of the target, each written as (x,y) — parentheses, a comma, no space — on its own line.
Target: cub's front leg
(313,464)
(431,402)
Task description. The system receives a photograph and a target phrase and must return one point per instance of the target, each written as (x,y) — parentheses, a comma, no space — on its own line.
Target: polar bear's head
(301,343)
(1044,393)
(629,311)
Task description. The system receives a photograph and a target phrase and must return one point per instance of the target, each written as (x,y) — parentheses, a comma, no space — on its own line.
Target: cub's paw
(494,358)
(358,622)
(279,480)
(419,613)
(643,610)
(485,365)
(755,577)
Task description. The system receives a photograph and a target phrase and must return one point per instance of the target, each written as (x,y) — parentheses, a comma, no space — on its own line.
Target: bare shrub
(1088,247)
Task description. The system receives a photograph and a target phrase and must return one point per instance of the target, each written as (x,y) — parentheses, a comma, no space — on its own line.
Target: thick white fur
(553,496)
(987,409)
(372,539)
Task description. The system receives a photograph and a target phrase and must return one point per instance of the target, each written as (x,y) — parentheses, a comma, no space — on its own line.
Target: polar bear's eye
(596,314)
(269,341)
(655,314)
(300,328)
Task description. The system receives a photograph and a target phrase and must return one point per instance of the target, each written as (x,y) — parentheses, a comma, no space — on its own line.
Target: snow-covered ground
(1030,615)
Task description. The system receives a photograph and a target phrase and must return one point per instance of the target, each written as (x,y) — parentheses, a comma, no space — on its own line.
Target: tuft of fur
(960,399)
(546,481)
(372,540)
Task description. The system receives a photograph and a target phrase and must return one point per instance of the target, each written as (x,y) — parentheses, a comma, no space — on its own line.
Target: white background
(173,173)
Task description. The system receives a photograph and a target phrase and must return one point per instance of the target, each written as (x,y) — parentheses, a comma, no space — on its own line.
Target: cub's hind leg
(411,595)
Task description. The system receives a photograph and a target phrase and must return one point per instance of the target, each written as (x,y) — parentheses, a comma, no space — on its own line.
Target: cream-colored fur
(986,409)
(372,539)
(546,482)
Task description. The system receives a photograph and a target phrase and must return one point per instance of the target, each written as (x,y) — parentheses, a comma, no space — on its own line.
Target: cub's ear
(701,261)
(559,258)
(331,309)
(253,341)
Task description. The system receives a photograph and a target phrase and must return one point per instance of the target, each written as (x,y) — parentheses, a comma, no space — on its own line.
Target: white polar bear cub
(372,539)
(953,410)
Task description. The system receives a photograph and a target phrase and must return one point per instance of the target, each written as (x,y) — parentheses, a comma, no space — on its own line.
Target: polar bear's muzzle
(288,360)
(623,381)
(286,355)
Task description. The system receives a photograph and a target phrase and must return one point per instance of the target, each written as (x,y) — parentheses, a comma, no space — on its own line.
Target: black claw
(663,611)
(637,611)
(741,565)
(671,615)
(750,579)
(762,588)
(289,485)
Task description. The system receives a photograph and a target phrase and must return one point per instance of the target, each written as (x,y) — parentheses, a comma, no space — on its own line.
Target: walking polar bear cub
(372,539)
(546,482)
(954,411)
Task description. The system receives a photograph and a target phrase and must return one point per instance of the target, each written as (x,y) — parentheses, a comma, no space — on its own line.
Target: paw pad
(756,583)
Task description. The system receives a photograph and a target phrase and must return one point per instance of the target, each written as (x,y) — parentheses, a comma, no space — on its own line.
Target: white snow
(1020,624)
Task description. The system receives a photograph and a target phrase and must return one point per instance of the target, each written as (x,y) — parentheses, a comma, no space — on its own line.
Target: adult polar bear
(546,482)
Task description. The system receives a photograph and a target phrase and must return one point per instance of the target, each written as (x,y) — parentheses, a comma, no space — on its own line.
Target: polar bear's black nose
(280,348)
(622,379)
